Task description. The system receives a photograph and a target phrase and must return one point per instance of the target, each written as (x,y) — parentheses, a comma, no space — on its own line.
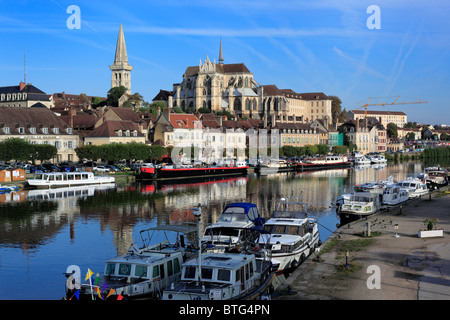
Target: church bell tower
(120,69)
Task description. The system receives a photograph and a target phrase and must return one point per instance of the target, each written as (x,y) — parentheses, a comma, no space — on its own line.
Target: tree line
(22,150)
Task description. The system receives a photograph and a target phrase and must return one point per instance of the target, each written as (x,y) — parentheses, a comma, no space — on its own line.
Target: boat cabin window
(189,272)
(222,232)
(110,268)
(70,177)
(207,273)
(140,271)
(176,265)
(124,269)
(223,275)
(169,268)
(59,177)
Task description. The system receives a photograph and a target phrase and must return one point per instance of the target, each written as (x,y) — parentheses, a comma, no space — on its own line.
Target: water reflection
(43,232)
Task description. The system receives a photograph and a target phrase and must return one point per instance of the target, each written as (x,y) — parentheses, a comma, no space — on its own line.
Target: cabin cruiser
(378,159)
(360,203)
(416,187)
(273,166)
(239,273)
(436,177)
(142,272)
(67,179)
(223,276)
(239,223)
(361,160)
(394,195)
(290,235)
(323,163)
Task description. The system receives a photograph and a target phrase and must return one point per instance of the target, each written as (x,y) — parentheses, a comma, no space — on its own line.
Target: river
(41,234)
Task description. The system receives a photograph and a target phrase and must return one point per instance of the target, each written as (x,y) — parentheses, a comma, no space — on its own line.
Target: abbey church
(218,87)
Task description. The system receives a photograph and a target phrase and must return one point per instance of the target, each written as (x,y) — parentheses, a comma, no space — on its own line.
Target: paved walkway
(410,268)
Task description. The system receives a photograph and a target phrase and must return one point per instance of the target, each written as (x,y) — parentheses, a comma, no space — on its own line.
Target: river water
(42,233)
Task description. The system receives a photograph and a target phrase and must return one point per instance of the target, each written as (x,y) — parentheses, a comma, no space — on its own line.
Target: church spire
(120,68)
(121,48)
(220,53)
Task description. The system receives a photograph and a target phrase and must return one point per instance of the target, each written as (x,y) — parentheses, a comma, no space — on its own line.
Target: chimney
(158,112)
(64,95)
(167,113)
(265,121)
(21,85)
(220,120)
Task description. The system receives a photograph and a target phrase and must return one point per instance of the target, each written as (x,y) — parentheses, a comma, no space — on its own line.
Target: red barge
(156,172)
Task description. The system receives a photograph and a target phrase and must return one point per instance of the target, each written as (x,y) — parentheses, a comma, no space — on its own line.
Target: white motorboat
(360,203)
(378,159)
(394,195)
(142,273)
(223,276)
(236,274)
(290,235)
(436,177)
(67,179)
(239,222)
(361,160)
(415,187)
(273,166)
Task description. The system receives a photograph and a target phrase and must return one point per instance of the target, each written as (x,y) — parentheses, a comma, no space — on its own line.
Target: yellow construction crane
(384,104)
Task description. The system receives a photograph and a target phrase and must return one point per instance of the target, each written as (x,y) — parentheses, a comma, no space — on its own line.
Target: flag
(89,274)
(98,293)
(97,280)
(110,293)
(76,294)
(119,297)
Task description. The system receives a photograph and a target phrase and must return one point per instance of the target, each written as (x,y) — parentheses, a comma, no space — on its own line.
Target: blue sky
(306,46)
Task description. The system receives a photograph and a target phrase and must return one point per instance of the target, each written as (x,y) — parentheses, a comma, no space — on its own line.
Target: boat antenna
(197,212)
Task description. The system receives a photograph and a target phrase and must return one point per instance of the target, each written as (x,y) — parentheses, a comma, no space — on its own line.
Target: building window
(119,133)
(6,130)
(44,130)
(21,130)
(69,130)
(56,130)
(69,144)
(33,130)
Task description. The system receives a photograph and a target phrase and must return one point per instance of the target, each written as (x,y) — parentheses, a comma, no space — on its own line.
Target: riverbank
(409,267)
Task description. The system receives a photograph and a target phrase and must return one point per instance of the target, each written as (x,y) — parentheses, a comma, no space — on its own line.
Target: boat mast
(197,211)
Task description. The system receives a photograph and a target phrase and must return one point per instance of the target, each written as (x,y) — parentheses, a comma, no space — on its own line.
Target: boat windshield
(228,232)
(233,214)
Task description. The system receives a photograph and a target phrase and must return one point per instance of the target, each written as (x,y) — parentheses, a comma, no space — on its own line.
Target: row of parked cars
(67,167)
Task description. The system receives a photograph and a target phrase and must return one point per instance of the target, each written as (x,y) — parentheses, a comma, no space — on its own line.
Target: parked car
(101,169)
(112,168)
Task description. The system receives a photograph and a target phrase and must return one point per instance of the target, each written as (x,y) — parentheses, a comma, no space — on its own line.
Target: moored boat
(239,224)
(436,177)
(141,273)
(235,274)
(416,187)
(174,171)
(273,166)
(67,179)
(323,163)
(360,204)
(290,235)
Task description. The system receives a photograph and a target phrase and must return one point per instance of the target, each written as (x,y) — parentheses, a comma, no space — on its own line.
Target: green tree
(15,149)
(134,100)
(391,130)
(322,148)
(43,152)
(410,136)
(88,152)
(114,94)
(335,108)
(311,150)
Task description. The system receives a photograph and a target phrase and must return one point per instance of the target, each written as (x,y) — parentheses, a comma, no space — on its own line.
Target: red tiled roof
(186,121)
(110,128)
